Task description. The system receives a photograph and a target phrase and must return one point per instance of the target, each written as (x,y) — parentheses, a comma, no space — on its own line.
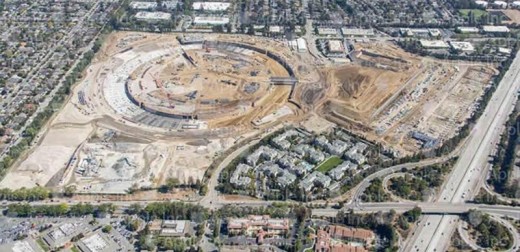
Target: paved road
(463,181)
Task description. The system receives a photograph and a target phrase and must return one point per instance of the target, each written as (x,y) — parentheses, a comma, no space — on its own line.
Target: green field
(329,164)
(476,12)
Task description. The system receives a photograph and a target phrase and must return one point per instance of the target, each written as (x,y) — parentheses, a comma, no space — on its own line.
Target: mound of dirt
(353,80)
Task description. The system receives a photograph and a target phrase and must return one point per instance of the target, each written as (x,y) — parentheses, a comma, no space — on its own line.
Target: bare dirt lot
(361,90)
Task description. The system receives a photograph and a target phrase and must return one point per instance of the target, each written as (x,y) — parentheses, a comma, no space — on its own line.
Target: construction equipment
(159,85)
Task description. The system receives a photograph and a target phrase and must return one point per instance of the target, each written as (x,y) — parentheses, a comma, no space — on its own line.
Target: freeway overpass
(428,208)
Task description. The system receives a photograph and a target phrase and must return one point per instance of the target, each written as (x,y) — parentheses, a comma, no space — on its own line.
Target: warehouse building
(462,46)
(153,16)
(495,29)
(139,5)
(434,44)
(354,32)
(327,31)
(463,29)
(302,45)
(211,20)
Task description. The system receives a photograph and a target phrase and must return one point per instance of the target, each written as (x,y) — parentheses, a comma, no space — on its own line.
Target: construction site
(403,101)
(155,106)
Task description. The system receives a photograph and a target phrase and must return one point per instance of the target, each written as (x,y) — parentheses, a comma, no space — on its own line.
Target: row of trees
(170,211)
(63,209)
(276,211)
(25,194)
(504,161)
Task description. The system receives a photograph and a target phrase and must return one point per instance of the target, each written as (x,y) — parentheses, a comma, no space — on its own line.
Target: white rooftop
(211,6)
(327,31)
(493,29)
(482,3)
(468,29)
(22,246)
(357,32)
(335,46)
(275,29)
(211,20)
(95,243)
(433,44)
(156,15)
(462,46)
(140,5)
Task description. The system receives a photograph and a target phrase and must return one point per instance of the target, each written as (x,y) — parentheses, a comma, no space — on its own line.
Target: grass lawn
(476,12)
(42,244)
(329,164)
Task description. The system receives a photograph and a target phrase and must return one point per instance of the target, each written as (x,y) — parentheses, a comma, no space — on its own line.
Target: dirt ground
(385,105)
(48,158)
(362,90)
(513,15)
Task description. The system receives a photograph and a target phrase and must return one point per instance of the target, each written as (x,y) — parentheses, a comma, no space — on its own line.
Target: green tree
(106,229)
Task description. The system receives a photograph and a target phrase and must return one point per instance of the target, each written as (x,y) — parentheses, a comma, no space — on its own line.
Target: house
(356,157)
(286,178)
(281,141)
(313,179)
(175,228)
(316,156)
(264,152)
(270,169)
(239,176)
(337,147)
(302,168)
(338,172)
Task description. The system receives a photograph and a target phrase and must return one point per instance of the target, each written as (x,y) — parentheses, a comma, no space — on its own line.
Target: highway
(428,208)
(463,181)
